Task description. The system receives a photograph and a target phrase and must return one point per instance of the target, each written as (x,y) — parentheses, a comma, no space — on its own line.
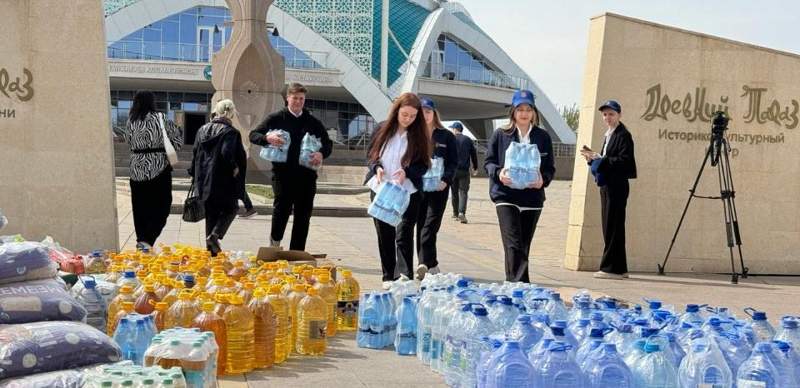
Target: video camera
(719,124)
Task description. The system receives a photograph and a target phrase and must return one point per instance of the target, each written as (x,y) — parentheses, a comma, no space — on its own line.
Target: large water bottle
(389,320)
(310,144)
(605,368)
(124,337)
(444,315)
(580,329)
(791,359)
(504,314)
(734,347)
(762,330)
(510,368)
(581,309)
(425,309)
(758,370)
(673,349)
(366,315)
(432,177)
(789,332)
(527,334)
(784,366)
(558,369)
(479,327)
(704,366)
(654,369)
(94,303)
(405,341)
(555,308)
(623,336)
(454,345)
(141,341)
(487,359)
(692,316)
(592,342)
(560,333)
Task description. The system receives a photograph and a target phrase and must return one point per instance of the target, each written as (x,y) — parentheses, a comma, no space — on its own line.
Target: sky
(548,38)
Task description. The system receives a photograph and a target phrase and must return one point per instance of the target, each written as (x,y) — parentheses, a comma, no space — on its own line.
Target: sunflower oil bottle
(247,290)
(283,323)
(327,291)
(125,295)
(146,302)
(294,298)
(183,312)
(240,326)
(159,314)
(347,293)
(222,303)
(172,295)
(209,321)
(312,317)
(238,271)
(164,286)
(264,331)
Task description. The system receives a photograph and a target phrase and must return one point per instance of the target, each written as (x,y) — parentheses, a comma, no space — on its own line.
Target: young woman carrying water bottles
(518,211)
(399,152)
(432,206)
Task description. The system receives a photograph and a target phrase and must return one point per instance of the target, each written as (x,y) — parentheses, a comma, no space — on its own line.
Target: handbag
(172,155)
(194,209)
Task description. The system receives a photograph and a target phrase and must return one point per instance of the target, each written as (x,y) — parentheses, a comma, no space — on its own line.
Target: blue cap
(759,316)
(651,348)
(129,274)
(505,300)
(610,347)
(789,323)
(611,104)
(524,318)
(596,333)
(692,308)
(480,312)
(523,97)
(763,347)
(427,103)
(462,283)
(518,293)
(89,283)
(583,322)
(457,126)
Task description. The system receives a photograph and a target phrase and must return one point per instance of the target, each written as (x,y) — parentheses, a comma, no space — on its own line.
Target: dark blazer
(414,171)
(495,160)
(218,152)
(618,163)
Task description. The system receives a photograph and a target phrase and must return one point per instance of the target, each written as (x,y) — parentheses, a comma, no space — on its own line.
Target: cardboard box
(297,257)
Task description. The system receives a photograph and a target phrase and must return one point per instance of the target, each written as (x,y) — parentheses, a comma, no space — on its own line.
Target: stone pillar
(56,154)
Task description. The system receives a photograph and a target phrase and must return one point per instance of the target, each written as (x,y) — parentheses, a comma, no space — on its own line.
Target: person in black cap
(612,168)
(518,210)
(459,190)
(433,203)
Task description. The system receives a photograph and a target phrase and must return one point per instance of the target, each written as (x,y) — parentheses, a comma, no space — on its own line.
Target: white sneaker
(387,285)
(422,270)
(607,275)
(273,243)
(434,270)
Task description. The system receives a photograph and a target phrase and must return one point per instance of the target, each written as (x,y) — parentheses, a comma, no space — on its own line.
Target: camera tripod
(717,153)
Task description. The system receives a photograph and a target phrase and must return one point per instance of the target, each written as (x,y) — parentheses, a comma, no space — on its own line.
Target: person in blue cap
(612,168)
(518,210)
(433,204)
(459,190)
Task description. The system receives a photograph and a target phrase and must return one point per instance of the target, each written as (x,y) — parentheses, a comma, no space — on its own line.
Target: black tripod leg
(663,265)
(734,214)
(726,213)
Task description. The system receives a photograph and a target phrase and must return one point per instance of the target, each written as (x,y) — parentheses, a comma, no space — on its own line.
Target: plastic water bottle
(425,310)
(367,322)
(505,314)
(277,153)
(704,366)
(791,359)
(558,369)
(454,345)
(762,329)
(527,334)
(486,359)
(559,331)
(654,369)
(605,368)
(581,309)
(94,303)
(310,144)
(432,177)
(592,342)
(555,308)
(509,368)
(580,329)
(141,341)
(405,341)
(692,316)
(789,332)
(783,365)
(758,370)
(124,337)
(479,327)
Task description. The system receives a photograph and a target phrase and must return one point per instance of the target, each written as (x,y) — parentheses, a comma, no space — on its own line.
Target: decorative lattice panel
(112,6)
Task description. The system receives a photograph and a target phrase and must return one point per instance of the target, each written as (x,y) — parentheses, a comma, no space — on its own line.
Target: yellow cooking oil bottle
(183,312)
(283,323)
(241,331)
(312,317)
(327,291)
(125,295)
(347,292)
(264,329)
(297,295)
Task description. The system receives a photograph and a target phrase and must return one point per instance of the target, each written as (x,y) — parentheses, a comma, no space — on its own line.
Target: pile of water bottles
(308,146)
(133,334)
(127,374)
(521,335)
(522,161)
(433,177)
(389,204)
(274,153)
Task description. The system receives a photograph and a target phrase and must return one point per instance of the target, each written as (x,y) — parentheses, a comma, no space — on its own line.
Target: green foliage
(571,115)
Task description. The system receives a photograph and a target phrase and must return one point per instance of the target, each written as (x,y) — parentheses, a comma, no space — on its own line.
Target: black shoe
(455,217)
(212,243)
(247,213)
(463,218)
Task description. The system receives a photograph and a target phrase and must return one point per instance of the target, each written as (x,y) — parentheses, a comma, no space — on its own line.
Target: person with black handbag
(152,141)
(218,173)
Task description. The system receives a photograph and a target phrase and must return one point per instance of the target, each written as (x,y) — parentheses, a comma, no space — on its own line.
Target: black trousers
(151,201)
(293,196)
(248,204)
(218,220)
(613,200)
(429,220)
(517,228)
(396,245)
(459,191)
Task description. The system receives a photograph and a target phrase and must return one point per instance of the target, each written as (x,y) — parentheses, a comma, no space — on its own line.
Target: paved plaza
(475,250)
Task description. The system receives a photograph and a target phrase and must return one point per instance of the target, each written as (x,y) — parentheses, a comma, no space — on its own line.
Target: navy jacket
(297,128)
(466,153)
(444,146)
(619,162)
(495,160)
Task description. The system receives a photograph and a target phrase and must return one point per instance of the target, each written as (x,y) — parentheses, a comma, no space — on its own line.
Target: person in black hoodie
(399,151)
(218,171)
(518,211)
(294,185)
(612,168)
(433,204)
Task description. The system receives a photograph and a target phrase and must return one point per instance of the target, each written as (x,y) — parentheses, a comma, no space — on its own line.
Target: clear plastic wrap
(123,371)
(58,379)
(38,300)
(22,261)
(432,177)
(390,203)
(274,153)
(310,145)
(107,289)
(31,348)
(192,350)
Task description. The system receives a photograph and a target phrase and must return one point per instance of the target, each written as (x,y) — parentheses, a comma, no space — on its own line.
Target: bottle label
(740,383)
(426,342)
(317,329)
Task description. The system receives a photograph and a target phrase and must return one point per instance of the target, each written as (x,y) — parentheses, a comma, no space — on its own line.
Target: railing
(474,75)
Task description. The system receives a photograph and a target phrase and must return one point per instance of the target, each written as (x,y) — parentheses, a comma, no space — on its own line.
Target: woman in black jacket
(431,209)
(518,211)
(218,170)
(399,152)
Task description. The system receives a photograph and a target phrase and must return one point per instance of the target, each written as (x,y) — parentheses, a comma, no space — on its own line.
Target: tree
(571,115)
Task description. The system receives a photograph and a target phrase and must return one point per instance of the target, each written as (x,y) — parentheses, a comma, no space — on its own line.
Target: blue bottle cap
(759,316)
(129,274)
(625,328)
(611,348)
(651,348)
(782,346)
(584,304)
(89,283)
(462,283)
(640,322)
(789,322)
(557,331)
(597,316)
(648,332)
(692,308)
(654,304)
(480,312)
(560,323)
(555,296)
(583,322)
(140,322)
(505,300)
(466,306)
(699,347)
(596,333)
(524,318)
(517,293)
(763,347)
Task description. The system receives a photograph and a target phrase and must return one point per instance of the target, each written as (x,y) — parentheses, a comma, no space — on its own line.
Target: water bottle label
(435,345)
(426,342)
(317,329)
(740,383)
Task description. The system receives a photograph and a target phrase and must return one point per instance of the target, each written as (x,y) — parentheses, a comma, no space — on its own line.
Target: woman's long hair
(512,123)
(144,102)
(437,122)
(418,143)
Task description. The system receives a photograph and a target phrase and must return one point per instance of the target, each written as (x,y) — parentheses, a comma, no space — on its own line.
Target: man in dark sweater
(460,187)
(293,185)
